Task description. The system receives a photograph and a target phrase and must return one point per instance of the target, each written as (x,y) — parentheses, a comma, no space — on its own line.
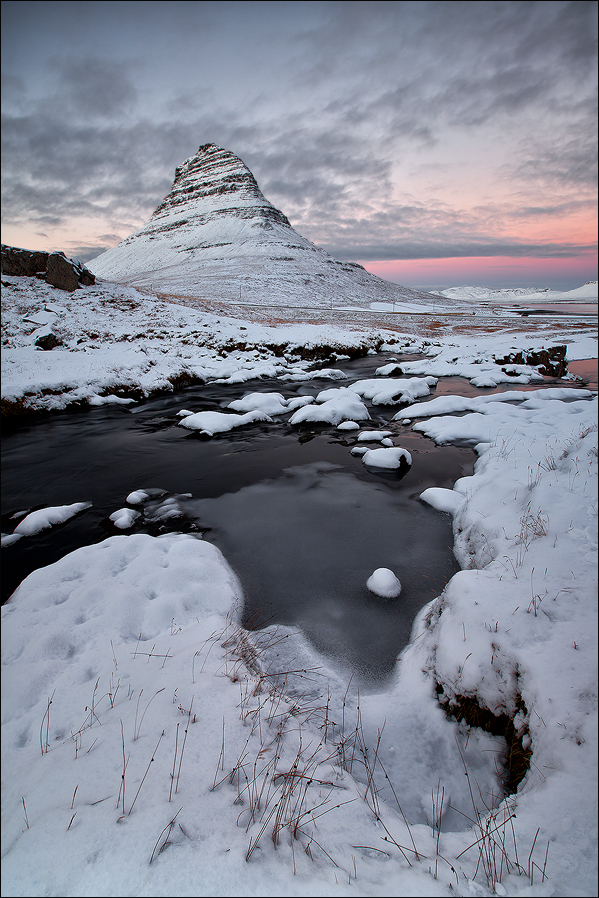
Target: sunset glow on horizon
(489,271)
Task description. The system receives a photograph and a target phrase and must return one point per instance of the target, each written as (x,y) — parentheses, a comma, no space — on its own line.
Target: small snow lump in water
(383,582)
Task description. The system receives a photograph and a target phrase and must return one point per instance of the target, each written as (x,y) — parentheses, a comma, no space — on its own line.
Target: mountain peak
(212,175)
(215,235)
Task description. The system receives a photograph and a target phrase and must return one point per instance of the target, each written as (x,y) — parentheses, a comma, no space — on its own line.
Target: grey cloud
(94,86)
(364,82)
(558,209)
(449,249)
(569,160)
(86,253)
(418,66)
(61,168)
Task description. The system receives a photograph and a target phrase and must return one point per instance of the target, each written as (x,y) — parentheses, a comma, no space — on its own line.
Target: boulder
(61,272)
(47,342)
(54,268)
(551,362)
(22,262)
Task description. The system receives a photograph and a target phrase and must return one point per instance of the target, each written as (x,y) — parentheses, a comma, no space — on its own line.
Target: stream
(299,518)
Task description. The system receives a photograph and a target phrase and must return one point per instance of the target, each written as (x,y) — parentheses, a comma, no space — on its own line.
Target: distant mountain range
(216,236)
(588,292)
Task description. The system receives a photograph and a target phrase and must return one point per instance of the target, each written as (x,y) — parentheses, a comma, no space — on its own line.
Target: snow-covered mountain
(587,292)
(216,236)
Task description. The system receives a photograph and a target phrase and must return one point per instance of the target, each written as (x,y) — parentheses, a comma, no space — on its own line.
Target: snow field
(249,767)
(119,344)
(149,739)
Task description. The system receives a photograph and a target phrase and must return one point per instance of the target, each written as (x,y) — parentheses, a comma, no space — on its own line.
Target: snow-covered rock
(44,518)
(124,518)
(384,583)
(393,391)
(387,457)
(269,403)
(219,422)
(332,406)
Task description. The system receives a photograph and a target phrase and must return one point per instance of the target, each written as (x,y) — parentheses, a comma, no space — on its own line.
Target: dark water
(300,519)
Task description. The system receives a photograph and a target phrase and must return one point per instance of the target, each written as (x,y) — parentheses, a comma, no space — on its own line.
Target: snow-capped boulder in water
(216,236)
(388,458)
(384,583)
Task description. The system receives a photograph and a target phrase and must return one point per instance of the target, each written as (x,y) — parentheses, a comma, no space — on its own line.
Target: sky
(436,143)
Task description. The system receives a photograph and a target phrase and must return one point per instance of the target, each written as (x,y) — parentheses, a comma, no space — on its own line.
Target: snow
(384,583)
(151,746)
(332,406)
(442,499)
(120,345)
(124,518)
(387,457)
(268,403)
(587,292)
(394,392)
(368,436)
(137,497)
(44,518)
(220,422)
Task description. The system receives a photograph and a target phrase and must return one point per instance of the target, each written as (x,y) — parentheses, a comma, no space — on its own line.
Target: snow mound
(45,518)
(442,499)
(268,403)
(384,583)
(124,518)
(388,457)
(210,423)
(332,406)
(373,436)
(393,391)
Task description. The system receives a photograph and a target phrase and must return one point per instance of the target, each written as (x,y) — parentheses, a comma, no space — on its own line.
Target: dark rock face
(48,342)
(54,268)
(22,262)
(61,273)
(550,362)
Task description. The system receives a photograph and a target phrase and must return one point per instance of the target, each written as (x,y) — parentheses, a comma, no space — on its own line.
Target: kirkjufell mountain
(216,236)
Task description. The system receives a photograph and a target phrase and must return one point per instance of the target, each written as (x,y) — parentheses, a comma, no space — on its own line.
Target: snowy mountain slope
(216,235)
(587,292)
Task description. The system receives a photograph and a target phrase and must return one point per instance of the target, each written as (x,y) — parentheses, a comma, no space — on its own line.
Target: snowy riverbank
(116,344)
(153,747)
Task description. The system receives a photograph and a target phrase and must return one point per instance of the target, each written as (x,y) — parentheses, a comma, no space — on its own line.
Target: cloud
(458,249)
(93,86)
(329,105)
(566,160)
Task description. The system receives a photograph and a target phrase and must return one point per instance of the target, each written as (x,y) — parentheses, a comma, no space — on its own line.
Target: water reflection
(304,545)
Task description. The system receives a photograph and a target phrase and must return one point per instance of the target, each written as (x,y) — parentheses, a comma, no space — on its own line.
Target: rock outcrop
(54,268)
(22,262)
(216,236)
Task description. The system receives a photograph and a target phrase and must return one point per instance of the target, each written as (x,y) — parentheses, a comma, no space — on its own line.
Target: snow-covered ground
(151,746)
(117,344)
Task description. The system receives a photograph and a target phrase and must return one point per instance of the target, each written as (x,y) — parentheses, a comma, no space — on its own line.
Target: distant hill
(588,291)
